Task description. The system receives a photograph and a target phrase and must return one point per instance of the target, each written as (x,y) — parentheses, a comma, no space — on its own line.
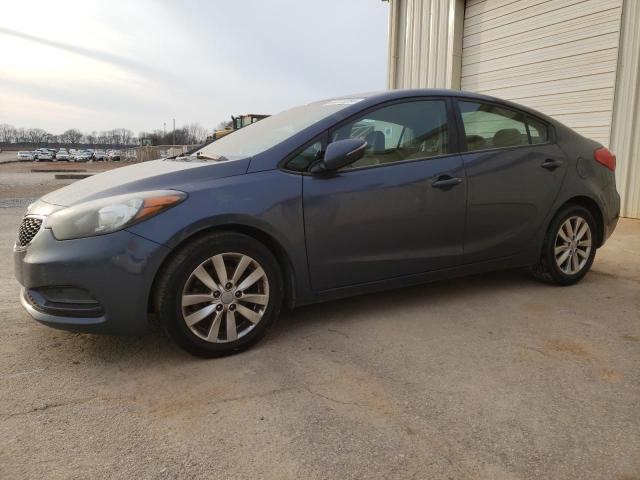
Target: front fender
(269,201)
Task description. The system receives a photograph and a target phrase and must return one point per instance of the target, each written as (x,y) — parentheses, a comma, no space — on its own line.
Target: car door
(514,173)
(399,210)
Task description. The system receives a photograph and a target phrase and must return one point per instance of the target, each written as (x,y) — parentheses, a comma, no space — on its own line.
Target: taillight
(605,157)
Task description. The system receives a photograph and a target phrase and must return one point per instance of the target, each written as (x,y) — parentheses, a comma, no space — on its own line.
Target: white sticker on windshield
(343,101)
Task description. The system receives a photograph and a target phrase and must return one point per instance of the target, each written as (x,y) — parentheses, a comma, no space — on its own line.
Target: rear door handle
(446,181)
(550,164)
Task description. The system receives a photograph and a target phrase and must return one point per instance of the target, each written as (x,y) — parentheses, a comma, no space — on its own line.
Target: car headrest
(507,137)
(376,141)
(476,142)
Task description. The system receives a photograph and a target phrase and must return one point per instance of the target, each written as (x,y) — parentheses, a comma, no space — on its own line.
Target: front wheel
(219,294)
(569,247)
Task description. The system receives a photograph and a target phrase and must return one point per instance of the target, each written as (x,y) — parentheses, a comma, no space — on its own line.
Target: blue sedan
(331,199)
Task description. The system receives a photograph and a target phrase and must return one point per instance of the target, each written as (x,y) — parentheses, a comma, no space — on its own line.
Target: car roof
(373,98)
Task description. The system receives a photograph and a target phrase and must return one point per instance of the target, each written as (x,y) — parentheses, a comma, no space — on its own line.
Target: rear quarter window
(538,131)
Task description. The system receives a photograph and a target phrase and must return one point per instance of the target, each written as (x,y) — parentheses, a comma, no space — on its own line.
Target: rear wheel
(569,247)
(219,294)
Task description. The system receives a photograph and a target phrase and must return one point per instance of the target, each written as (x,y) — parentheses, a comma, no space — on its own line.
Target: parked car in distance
(113,155)
(42,154)
(99,155)
(62,154)
(327,200)
(83,156)
(24,155)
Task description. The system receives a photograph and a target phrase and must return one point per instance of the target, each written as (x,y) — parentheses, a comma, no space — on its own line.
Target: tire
(556,265)
(182,277)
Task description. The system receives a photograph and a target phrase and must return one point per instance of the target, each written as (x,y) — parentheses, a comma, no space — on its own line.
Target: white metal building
(575,60)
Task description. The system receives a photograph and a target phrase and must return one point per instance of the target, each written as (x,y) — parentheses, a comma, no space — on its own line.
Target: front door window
(403,131)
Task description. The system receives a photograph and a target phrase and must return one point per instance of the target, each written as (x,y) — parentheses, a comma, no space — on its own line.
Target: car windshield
(267,133)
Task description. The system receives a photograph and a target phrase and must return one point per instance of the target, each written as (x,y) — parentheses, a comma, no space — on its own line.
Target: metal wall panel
(558,56)
(425,45)
(625,135)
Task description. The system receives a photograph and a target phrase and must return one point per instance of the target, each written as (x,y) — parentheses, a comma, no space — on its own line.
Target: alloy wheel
(573,245)
(225,297)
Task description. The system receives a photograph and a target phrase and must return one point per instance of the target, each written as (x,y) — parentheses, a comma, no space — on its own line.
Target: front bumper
(73,323)
(116,271)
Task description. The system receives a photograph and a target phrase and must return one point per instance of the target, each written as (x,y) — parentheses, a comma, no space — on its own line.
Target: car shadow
(155,345)
(443,292)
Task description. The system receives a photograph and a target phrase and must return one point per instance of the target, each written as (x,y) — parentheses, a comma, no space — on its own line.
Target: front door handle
(550,164)
(446,181)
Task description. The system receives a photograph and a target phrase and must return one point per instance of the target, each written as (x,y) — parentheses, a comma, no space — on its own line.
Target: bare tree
(21,135)
(7,133)
(50,138)
(193,133)
(36,135)
(121,136)
(127,137)
(72,136)
(196,133)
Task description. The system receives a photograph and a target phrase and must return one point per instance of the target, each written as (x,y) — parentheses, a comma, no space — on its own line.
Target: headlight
(110,214)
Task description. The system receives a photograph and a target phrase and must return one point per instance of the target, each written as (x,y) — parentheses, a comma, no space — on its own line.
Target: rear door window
(489,126)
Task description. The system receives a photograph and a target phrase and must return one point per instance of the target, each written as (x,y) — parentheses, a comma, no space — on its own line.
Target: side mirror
(340,154)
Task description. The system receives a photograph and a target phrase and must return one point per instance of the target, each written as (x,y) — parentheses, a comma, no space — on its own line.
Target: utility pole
(164,130)
(174,131)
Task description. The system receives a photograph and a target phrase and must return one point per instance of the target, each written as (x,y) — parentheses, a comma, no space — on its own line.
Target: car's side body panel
(586,179)
(510,195)
(382,222)
(269,202)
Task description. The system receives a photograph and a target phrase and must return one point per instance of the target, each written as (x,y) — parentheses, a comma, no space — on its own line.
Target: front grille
(30,226)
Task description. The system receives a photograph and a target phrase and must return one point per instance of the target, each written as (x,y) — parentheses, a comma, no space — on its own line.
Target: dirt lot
(488,377)
(22,179)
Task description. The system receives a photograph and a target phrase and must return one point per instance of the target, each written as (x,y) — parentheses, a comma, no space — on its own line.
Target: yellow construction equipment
(236,124)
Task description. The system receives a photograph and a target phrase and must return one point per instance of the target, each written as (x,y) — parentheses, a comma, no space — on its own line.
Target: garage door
(557,56)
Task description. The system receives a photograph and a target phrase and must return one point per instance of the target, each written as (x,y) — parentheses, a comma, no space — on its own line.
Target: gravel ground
(22,179)
(488,377)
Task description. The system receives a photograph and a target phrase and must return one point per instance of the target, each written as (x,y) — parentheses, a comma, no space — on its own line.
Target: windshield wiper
(217,158)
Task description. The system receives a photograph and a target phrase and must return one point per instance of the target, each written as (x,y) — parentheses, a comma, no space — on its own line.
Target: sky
(98,65)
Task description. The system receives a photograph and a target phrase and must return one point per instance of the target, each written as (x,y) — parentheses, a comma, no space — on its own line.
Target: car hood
(153,175)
